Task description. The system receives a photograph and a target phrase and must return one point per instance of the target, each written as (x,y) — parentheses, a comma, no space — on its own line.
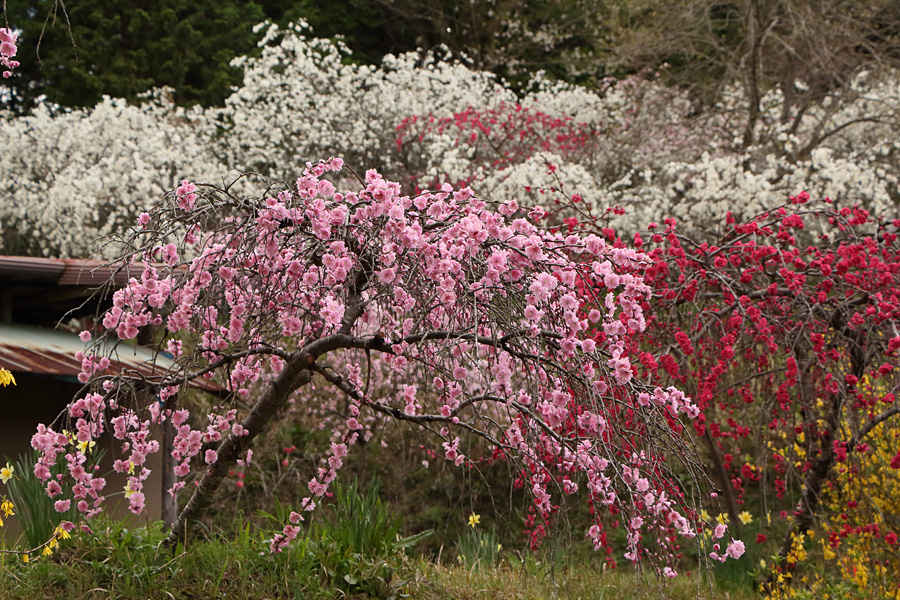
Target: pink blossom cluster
(8,50)
(186,196)
(86,488)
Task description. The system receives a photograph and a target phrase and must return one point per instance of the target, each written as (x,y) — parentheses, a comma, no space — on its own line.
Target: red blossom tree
(482,320)
(784,330)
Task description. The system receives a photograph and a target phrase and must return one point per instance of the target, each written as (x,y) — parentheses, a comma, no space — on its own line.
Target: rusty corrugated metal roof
(27,349)
(66,271)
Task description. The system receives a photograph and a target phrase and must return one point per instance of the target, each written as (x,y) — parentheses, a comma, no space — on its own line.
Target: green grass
(118,562)
(537,582)
(32,505)
(121,563)
(351,548)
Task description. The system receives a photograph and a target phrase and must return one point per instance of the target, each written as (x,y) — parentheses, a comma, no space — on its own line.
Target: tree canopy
(76,53)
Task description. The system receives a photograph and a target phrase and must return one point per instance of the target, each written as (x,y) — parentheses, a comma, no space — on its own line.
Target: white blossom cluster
(845,148)
(301,101)
(660,159)
(67,177)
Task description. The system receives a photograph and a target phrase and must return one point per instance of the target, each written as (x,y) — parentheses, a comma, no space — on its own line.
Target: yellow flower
(62,533)
(745,517)
(25,558)
(704,515)
(47,551)
(474,520)
(6,378)
(7,508)
(6,473)
(86,447)
(128,491)
(722,518)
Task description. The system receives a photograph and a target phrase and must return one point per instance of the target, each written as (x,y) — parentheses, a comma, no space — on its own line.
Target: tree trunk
(296,374)
(751,77)
(812,485)
(722,475)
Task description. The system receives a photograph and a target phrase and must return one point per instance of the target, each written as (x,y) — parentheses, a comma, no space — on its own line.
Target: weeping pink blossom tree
(486,324)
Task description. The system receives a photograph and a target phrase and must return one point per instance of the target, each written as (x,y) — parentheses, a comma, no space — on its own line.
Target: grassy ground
(131,564)
(352,548)
(582,582)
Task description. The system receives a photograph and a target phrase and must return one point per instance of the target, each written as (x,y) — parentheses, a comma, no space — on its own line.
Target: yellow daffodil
(86,447)
(745,517)
(6,473)
(474,520)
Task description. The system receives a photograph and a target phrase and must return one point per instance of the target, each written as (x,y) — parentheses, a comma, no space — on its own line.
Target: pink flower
(210,457)
(8,48)
(136,502)
(186,196)
(735,549)
(386,275)
(532,313)
(41,471)
(62,505)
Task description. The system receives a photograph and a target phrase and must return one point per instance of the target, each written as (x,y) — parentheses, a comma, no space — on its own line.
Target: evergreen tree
(74,53)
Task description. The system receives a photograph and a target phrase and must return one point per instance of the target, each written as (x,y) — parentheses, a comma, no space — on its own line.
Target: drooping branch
(296,374)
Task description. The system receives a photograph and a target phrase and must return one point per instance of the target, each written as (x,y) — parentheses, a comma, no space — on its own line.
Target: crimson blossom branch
(486,324)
